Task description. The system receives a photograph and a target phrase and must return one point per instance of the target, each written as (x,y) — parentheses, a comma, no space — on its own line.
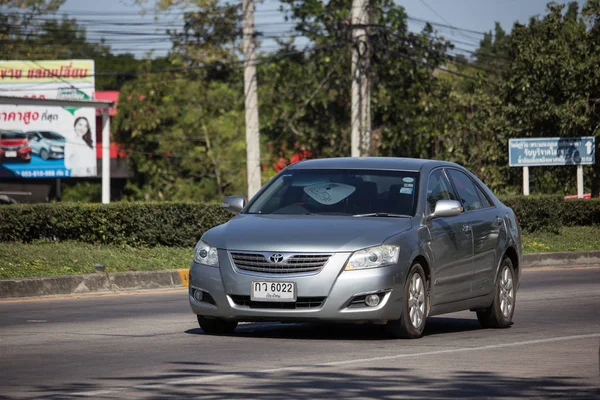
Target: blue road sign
(552,151)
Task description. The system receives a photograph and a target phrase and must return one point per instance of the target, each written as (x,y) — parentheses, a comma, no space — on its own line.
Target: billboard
(552,151)
(47,142)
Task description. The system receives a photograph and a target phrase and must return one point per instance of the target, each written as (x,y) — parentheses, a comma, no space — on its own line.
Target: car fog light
(372,300)
(198,295)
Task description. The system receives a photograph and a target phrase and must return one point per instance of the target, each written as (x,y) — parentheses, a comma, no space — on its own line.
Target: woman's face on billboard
(81,127)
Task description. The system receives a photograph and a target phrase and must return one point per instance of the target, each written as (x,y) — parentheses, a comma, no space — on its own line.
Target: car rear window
(12,135)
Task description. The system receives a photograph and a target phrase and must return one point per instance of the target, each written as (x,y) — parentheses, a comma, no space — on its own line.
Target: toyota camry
(388,241)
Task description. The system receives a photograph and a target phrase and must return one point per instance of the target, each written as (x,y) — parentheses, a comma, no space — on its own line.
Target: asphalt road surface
(148,346)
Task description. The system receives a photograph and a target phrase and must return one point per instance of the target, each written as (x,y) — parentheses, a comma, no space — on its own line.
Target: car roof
(383,163)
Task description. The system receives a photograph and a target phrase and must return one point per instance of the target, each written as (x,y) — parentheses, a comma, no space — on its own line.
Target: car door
(485,226)
(451,245)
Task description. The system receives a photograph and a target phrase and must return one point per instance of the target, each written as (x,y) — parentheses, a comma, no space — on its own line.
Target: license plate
(11,154)
(273,291)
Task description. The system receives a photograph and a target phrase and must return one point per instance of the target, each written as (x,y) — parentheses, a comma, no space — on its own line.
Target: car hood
(304,233)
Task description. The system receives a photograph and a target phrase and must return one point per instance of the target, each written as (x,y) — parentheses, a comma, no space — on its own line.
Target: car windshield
(12,135)
(51,135)
(343,192)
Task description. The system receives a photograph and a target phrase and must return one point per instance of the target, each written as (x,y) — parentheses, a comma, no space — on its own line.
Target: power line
(424,21)
(237,63)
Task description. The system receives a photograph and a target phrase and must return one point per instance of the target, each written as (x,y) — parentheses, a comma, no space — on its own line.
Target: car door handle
(467,228)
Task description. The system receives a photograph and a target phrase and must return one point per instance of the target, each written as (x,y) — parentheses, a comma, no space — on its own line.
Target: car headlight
(57,148)
(206,254)
(373,257)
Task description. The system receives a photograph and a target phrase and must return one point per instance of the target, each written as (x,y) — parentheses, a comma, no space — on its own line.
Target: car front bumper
(330,295)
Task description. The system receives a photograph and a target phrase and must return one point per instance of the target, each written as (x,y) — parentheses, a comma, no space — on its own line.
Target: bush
(85,192)
(134,224)
(580,212)
(537,213)
(182,224)
(549,213)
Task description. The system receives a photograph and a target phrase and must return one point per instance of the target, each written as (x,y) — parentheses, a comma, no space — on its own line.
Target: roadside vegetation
(48,258)
(570,238)
(69,238)
(45,258)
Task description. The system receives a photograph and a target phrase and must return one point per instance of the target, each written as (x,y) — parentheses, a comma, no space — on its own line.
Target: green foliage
(182,224)
(574,238)
(132,224)
(49,258)
(305,97)
(188,127)
(537,213)
(580,212)
(550,213)
(84,192)
(550,85)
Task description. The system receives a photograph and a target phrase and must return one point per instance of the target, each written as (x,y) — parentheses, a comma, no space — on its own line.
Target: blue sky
(477,15)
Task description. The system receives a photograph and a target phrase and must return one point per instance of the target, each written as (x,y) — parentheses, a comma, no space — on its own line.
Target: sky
(475,15)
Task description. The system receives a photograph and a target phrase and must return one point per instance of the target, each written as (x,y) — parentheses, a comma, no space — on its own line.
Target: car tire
(44,154)
(216,326)
(500,313)
(415,306)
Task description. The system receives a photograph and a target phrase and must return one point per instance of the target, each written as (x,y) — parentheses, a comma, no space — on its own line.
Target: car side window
(485,201)
(466,189)
(438,188)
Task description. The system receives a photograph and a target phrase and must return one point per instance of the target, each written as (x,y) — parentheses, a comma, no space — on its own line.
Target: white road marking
(93,394)
(220,377)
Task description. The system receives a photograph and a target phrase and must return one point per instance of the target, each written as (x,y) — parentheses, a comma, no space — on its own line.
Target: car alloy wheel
(416,301)
(506,293)
(415,306)
(500,313)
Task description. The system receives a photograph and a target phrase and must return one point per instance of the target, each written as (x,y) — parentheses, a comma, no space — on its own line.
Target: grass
(19,260)
(576,238)
(45,258)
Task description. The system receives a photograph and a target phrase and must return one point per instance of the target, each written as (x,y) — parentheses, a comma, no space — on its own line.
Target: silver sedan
(381,240)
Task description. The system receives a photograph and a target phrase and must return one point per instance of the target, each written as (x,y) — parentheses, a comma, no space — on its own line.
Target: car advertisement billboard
(47,142)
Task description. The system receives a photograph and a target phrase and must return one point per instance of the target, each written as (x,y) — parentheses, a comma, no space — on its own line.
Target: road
(148,346)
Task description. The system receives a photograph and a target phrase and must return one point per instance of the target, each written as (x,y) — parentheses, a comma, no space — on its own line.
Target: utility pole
(251,101)
(361,85)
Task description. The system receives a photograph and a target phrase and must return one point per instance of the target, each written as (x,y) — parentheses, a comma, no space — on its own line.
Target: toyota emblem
(276,258)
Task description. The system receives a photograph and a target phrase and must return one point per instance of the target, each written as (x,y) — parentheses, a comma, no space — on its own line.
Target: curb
(128,281)
(562,260)
(92,283)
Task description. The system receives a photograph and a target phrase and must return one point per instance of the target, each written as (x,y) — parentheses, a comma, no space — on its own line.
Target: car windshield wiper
(381,214)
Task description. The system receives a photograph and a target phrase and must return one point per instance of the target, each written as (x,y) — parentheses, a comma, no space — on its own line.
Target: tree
(186,126)
(552,85)
(306,96)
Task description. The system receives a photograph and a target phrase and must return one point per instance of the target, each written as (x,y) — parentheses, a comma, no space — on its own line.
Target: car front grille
(301,302)
(290,264)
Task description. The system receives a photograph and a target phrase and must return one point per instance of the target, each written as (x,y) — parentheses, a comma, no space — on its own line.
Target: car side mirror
(234,204)
(447,208)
